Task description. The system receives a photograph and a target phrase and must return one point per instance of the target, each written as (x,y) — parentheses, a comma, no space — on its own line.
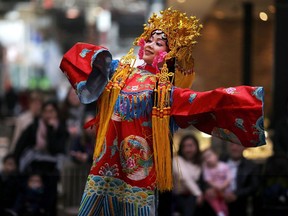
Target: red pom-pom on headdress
(141,43)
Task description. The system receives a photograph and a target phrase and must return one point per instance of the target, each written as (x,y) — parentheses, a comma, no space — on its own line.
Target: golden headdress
(181,32)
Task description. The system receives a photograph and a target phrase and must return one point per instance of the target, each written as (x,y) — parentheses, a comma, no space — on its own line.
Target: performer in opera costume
(140,107)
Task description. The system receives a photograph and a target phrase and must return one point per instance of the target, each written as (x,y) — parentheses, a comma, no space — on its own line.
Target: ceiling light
(263,16)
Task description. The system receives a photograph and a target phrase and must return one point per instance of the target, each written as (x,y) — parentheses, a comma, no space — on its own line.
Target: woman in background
(186,172)
(41,148)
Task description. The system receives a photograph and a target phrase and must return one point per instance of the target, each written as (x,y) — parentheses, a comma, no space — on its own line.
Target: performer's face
(155,44)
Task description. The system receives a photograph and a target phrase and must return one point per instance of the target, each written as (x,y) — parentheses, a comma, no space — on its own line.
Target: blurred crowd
(209,183)
(50,154)
(48,145)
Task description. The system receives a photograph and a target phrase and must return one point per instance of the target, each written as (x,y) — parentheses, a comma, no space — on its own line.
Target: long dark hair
(197,157)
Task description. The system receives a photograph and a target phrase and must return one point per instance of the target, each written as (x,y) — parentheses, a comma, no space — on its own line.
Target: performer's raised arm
(234,114)
(88,68)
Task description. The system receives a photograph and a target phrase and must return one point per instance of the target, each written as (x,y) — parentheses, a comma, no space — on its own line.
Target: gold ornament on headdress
(181,32)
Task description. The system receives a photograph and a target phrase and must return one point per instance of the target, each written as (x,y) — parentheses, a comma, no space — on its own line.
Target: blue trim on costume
(105,197)
(95,55)
(104,67)
(172,124)
(133,105)
(113,67)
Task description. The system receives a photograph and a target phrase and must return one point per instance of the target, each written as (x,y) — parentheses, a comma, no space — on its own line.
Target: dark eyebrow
(152,36)
(158,39)
(161,39)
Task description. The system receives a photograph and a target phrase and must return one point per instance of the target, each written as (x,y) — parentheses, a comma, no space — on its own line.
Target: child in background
(217,175)
(9,184)
(32,201)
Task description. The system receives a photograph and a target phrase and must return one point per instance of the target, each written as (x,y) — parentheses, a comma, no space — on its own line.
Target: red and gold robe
(122,180)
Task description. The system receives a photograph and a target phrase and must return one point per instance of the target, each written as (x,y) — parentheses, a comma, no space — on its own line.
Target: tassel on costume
(109,97)
(161,131)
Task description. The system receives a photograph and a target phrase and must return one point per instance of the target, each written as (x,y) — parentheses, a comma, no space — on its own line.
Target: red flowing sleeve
(88,68)
(234,114)
(77,62)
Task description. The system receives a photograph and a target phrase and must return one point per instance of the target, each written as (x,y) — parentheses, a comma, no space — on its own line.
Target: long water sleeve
(234,114)
(88,68)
